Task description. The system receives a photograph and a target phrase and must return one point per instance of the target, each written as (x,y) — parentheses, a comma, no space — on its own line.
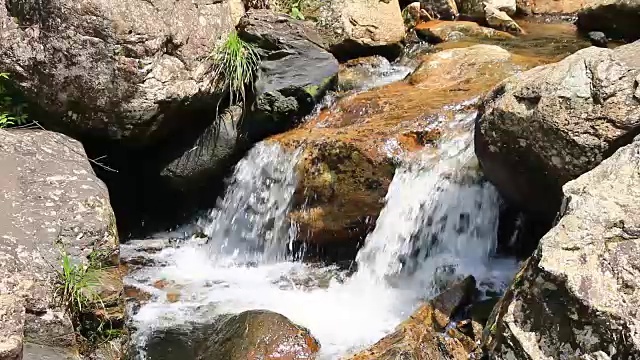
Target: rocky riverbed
(387,169)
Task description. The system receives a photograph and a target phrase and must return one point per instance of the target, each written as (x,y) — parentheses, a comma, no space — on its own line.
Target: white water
(435,204)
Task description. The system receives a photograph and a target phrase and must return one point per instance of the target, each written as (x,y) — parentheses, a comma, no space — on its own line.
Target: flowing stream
(439,223)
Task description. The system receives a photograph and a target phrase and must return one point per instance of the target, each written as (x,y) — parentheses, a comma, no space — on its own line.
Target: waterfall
(438,214)
(438,222)
(250,221)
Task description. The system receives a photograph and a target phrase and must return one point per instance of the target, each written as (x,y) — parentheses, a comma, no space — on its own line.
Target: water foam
(439,221)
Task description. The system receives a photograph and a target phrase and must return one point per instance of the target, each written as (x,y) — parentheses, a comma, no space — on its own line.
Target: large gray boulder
(541,128)
(618,19)
(294,74)
(295,70)
(51,202)
(354,28)
(578,296)
(126,69)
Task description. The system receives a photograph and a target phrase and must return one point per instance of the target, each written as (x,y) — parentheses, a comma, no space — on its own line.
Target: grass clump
(75,287)
(235,64)
(11,114)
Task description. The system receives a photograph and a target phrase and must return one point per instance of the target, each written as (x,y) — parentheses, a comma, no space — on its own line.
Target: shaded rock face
(354,28)
(295,71)
(421,337)
(186,170)
(350,150)
(254,334)
(578,296)
(548,125)
(617,19)
(130,70)
(436,32)
(51,201)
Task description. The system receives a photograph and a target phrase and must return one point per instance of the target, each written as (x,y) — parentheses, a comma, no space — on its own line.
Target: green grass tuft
(75,287)
(235,64)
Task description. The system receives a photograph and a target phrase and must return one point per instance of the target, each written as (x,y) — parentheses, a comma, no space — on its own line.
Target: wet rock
(350,150)
(500,20)
(127,70)
(356,73)
(618,19)
(440,31)
(254,334)
(440,9)
(12,314)
(597,38)
(296,70)
(358,28)
(419,337)
(51,201)
(579,294)
(548,125)
(413,15)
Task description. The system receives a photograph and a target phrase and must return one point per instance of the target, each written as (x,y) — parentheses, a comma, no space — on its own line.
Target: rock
(475,9)
(419,337)
(440,9)
(618,19)
(254,334)
(440,31)
(500,20)
(12,314)
(579,294)
(350,150)
(294,75)
(357,73)
(359,27)
(548,125)
(549,7)
(127,70)
(52,201)
(597,38)
(296,70)
(413,15)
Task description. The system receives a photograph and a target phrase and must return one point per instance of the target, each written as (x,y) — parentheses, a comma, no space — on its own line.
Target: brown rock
(358,27)
(349,150)
(173,296)
(419,337)
(440,9)
(500,20)
(254,334)
(440,31)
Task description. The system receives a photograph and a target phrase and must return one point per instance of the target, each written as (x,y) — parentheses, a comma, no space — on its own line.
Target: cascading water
(439,221)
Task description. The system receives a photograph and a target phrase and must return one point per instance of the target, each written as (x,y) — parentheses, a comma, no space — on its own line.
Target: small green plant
(75,287)
(295,10)
(11,114)
(235,63)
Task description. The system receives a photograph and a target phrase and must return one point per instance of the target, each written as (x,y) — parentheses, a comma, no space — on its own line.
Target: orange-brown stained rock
(350,150)
(437,31)
(173,296)
(260,334)
(420,338)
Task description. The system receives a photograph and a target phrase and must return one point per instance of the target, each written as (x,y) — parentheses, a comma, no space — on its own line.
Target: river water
(439,223)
